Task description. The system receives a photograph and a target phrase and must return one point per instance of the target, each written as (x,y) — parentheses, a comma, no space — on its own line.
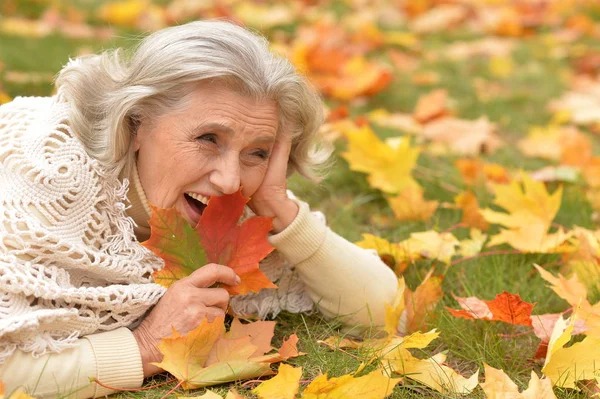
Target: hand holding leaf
(218,238)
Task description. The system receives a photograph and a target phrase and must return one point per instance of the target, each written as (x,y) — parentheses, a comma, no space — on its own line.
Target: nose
(226,176)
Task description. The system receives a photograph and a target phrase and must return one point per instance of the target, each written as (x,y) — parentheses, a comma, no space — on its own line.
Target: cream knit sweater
(71,265)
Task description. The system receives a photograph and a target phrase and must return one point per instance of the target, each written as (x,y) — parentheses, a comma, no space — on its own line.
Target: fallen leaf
(374,385)
(394,311)
(565,366)
(391,254)
(582,103)
(431,106)
(530,211)
(440,18)
(543,325)
(265,16)
(498,385)
(388,164)
(475,171)
(282,386)
(410,204)
(462,136)
(404,123)
(208,356)
(425,78)
(421,302)
(505,307)
(471,217)
(431,245)
(185,356)
(472,246)
(431,372)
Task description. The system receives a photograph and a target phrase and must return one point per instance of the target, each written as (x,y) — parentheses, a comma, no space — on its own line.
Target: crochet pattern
(69,262)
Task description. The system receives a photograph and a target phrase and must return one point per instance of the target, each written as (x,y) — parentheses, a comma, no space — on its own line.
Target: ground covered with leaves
(465,135)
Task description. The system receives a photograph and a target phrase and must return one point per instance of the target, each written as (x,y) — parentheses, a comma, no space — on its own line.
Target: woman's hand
(185,304)
(271,199)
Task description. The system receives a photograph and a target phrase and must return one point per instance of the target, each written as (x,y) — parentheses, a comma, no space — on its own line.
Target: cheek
(252,179)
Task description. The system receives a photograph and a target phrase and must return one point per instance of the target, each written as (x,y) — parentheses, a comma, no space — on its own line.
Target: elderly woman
(199,110)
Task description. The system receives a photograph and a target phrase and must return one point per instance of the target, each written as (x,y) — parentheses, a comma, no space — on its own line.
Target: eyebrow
(226,129)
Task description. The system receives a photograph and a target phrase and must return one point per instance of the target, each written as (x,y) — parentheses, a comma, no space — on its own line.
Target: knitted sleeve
(341,278)
(69,262)
(67,374)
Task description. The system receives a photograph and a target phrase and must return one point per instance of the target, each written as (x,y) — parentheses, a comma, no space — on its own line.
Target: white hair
(111,94)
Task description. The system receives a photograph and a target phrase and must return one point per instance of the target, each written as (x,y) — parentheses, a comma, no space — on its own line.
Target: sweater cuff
(118,360)
(302,238)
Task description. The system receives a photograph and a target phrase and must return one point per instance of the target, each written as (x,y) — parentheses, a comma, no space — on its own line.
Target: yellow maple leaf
(498,385)
(473,245)
(123,13)
(283,386)
(431,372)
(374,385)
(391,254)
(185,356)
(206,356)
(394,311)
(530,211)
(584,261)
(388,164)
(410,204)
(575,293)
(431,245)
(208,394)
(567,365)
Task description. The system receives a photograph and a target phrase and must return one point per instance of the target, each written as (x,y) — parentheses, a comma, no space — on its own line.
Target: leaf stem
(173,390)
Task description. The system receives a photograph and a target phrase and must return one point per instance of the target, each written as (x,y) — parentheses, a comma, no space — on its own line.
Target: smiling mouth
(197,202)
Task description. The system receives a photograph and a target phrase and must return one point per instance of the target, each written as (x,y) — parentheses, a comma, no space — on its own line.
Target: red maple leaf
(218,238)
(505,307)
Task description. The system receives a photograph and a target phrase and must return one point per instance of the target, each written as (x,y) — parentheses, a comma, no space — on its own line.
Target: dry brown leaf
(469,205)
(431,106)
(462,136)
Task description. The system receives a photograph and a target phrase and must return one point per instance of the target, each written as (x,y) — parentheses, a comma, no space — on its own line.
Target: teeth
(199,197)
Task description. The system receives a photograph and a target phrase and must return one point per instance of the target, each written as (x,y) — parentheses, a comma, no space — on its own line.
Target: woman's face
(218,142)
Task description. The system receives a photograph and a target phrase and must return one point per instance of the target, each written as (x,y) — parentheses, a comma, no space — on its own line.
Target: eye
(262,154)
(209,137)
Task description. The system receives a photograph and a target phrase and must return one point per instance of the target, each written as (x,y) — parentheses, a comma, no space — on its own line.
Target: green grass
(353,208)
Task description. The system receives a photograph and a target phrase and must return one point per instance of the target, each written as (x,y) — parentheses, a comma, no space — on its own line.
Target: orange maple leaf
(209,356)
(218,238)
(505,307)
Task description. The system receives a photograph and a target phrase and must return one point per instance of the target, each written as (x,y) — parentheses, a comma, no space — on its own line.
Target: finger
(211,274)
(280,156)
(215,297)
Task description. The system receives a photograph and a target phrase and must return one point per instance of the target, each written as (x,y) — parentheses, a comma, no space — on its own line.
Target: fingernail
(238,280)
